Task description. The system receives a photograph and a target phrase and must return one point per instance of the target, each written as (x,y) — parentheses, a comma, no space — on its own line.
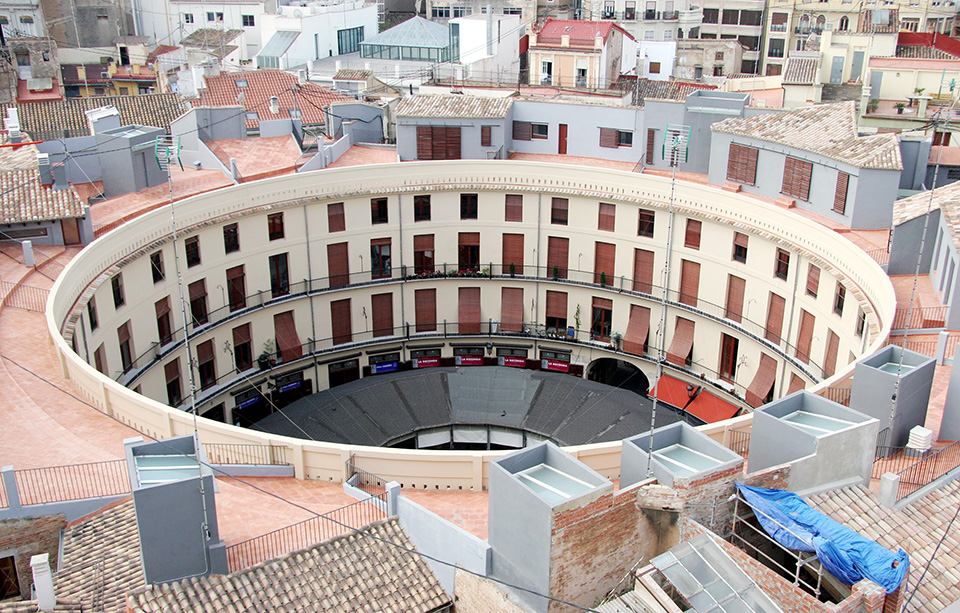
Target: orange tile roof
(581,33)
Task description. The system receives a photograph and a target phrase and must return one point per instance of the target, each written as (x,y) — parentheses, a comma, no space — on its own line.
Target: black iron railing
(361,479)
(928,470)
(73,482)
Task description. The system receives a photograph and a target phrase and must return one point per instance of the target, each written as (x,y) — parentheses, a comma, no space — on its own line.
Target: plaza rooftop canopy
(414,39)
(269,56)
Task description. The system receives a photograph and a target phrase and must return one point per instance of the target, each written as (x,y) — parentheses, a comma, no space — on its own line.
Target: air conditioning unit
(104,75)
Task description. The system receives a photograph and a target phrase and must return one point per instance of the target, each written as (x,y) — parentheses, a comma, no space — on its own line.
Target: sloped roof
(279,43)
(209,38)
(24,199)
(160,50)
(50,119)
(352,74)
(922,52)
(348,573)
(826,129)
(454,106)
(581,33)
(648,89)
(414,32)
(866,19)
(801,71)
(946,199)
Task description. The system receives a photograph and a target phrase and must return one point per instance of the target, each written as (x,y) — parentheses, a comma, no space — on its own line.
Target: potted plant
(900,106)
(513,269)
(917,92)
(603,278)
(576,317)
(616,339)
(263,360)
(556,273)
(872,105)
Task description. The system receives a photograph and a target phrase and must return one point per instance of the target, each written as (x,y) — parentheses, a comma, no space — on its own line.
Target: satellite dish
(297,13)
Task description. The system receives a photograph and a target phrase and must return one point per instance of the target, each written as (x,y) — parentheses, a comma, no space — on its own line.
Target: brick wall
(478,595)
(28,537)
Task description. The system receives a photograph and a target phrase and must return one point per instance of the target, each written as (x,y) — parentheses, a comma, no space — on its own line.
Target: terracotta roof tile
(647,89)
(801,71)
(827,129)
(922,52)
(352,74)
(454,106)
(581,33)
(52,119)
(24,199)
(30,606)
(945,199)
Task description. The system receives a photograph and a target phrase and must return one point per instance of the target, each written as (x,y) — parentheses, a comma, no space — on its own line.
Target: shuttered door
(805,337)
(513,208)
(557,256)
(607,219)
(604,259)
(689,282)
(796,384)
(511,304)
(241,335)
(287,340)
(608,138)
(742,164)
(205,352)
(340,321)
(796,178)
(100,360)
(840,197)
(691,238)
(735,288)
(236,288)
(522,130)
(762,381)
(813,280)
(338,264)
(638,328)
(556,305)
(171,370)
(469,304)
(452,142)
(425,301)
(485,136)
(682,343)
(382,307)
(424,143)
(335,219)
(774,318)
(651,145)
(423,253)
(830,358)
(513,253)
(642,271)
(197,289)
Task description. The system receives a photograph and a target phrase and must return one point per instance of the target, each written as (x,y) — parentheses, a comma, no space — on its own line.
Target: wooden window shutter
(123,332)
(840,198)
(735,288)
(556,304)
(796,178)
(513,253)
(522,130)
(609,138)
(830,358)
(423,242)
(741,240)
(774,325)
(607,219)
(288,342)
(642,271)
(805,336)
(682,343)
(340,321)
(559,210)
(171,370)
(424,143)
(425,301)
(763,381)
(511,313)
(382,307)
(162,306)
(205,352)
(602,303)
(335,219)
(469,307)
(486,136)
(734,164)
(603,263)
(469,239)
(241,335)
(651,145)
(338,264)
(100,360)
(689,282)
(197,289)
(557,249)
(796,384)
(691,238)
(750,165)
(638,329)
(813,280)
(513,208)
(452,142)
(742,164)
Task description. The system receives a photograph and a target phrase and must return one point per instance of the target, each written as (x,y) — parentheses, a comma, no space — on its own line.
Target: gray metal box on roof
(678,451)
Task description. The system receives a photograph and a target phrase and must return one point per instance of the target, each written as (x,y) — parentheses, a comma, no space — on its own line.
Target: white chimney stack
(43,582)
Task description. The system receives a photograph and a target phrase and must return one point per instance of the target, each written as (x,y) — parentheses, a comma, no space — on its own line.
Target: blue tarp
(848,555)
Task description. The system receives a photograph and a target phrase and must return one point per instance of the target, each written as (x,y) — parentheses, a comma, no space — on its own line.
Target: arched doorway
(618,373)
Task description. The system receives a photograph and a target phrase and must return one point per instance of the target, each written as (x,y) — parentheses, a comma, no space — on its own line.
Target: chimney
(46,173)
(82,73)
(532,39)
(564,40)
(12,124)
(598,42)
(60,176)
(338,63)
(43,582)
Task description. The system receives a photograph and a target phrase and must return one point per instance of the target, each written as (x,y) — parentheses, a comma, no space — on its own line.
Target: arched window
(844,24)
(821,23)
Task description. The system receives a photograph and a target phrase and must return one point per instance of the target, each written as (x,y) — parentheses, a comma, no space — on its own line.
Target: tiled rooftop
(647,89)
(24,199)
(801,71)
(212,40)
(352,74)
(946,199)
(14,158)
(454,106)
(827,129)
(581,33)
(922,52)
(356,572)
(51,119)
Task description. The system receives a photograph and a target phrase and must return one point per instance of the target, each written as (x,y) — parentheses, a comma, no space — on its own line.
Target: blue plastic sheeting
(848,555)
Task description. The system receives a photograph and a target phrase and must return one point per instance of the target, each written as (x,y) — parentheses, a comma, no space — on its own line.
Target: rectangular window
(156,266)
(198,302)
(813,280)
(607,217)
(188,18)
(729,348)
(839,298)
(242,348)
(381,308)
(557,250)
(691,238)
(164,330)
(511,309)
(796,178)
(342,327)
(438,142)
(206,364)
(468,206)
(338,264)
(638,330)
(275,226)
(608,138)
(651,145)
(604,260)
(645,224)
(92,313)
(775,310)
(289,347)
(740,242)
(735,290)
(236,288)
(512,262)
(805,337)
(423,253)
(247,21)
(830,355)
(861,322)
(711,15)
(469,310)
(126,346)
(540,131)
(486,137)
(742,164)
(469,251)
(425,306)
(731,17)
(100,360)
(556,311)
(558,211)
(642,271)
(378,210)
(689,282)
(840,196)
(171,372)
(279,277)
(192,247)
(335,219)
(116,284)
(601,318)
(231,238)
(522,130)
(514,208)
(380,258)
(624,138)
(421,208)
(782,267)
(776,48)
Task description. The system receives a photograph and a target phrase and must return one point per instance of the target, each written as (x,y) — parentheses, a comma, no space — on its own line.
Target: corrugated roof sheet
(454,106)
(801,71)
(24,199)
(414,32)
(279,43)
(826,129)
(53,119)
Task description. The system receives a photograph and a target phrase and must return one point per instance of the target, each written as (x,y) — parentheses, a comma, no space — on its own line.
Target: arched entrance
(618,373)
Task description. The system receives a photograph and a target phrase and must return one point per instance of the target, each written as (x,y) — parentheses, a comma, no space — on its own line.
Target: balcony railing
(928,470)
(247,454)
(73,482)
(778,27)
(670,15)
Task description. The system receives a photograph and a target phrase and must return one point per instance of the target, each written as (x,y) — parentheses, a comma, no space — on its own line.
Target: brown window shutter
(813,280)
(288,342)
(236,287)
(796,384)
(123,332)
(559,210)
(197,289)
(735,288)
(774,325)
(513,253)
(602,303)
(734,163)
(642,271)
(426,309)
(740,240)
(691,238)
(205,352)
(651,145)
(638,329)
(682,343)
(607,219)
(485,136)
(513,208)
(171,370)
(511,305)
(796,178)
(380,241)
(100,360)
(423,242)
(338,264)
(805,336)
(604,259)
(469,307)
(557,249)
(608,138)
(382,307)
(162,306)
(762,381)
(452,151)
(469,239)
(522,130)
(241,335)
(424,143)
(689,282)
(556,304)
(742,164)
(830,358)
(335,219)
(840,198)
(340,320)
